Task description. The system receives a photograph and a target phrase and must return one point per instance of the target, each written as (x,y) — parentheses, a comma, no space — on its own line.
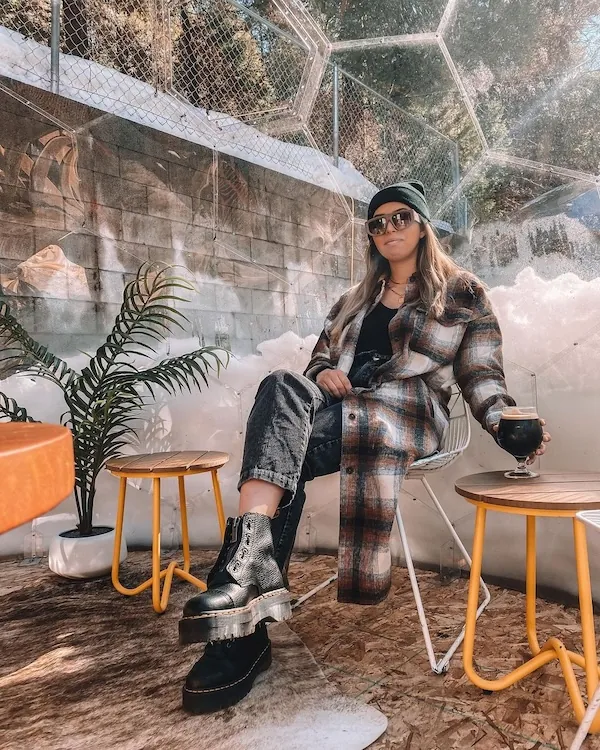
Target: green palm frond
(146,317)
(99,436)
(21,354)
(11,410)
(177,373)
(147,314)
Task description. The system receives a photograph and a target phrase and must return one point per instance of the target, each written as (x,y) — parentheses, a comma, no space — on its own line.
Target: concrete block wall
(268,253)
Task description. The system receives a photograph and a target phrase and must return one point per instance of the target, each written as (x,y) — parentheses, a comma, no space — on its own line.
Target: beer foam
(519,416)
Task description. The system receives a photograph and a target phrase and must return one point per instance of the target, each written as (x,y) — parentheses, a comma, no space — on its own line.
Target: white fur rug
(84,668)
(294,707)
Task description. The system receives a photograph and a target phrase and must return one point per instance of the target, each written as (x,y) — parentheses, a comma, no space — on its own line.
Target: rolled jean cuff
(281,480)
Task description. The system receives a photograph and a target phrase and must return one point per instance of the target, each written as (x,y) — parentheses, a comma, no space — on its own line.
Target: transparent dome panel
(227,60)
(430,108)
(514,217)
(532,72)
(359,19)
(48,255)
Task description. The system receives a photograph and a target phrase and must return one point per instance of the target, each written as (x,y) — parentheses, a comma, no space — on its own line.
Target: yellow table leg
(553,648)
(531,586)
(160,599)
(552,645)
(544,657)
(117,548)
(531,602)
(184,573)
(119,534)
(185,537)
(156,598)
(218,501)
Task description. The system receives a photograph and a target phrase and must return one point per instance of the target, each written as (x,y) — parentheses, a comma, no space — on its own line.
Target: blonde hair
(435,267)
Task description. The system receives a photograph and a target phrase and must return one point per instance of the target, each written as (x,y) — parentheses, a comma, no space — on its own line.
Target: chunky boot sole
(223,624)
(215,699)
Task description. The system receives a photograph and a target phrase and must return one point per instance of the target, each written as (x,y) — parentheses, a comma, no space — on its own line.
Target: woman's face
(398,244)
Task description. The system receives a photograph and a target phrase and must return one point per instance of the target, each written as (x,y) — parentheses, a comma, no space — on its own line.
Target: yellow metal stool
(157,466)
(552,495)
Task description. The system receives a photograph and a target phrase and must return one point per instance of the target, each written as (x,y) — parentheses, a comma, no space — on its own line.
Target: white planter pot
(84,556)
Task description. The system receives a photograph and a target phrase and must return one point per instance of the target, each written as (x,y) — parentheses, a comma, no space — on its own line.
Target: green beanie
(412,193)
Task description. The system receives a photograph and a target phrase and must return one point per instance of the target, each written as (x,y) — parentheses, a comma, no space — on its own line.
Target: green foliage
(29,17)
(217,61)
(104,401)
(11,410)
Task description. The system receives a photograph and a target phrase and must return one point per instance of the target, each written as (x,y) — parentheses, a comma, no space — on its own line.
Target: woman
(372,400)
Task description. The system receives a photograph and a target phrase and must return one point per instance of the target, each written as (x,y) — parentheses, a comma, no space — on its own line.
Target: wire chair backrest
(455,441)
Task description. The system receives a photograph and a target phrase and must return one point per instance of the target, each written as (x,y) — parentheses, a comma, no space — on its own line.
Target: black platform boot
(226,671)
(245,586)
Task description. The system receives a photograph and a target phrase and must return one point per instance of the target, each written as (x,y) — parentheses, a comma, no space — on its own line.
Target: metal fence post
(336,115)
(459,218)
(54,46)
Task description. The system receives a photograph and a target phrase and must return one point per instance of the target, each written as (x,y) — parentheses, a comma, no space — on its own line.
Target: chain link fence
(32,19)
(108,51)
(220,74)
(381,140)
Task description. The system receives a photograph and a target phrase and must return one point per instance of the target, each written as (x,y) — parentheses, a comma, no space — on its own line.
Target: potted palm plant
(105,399)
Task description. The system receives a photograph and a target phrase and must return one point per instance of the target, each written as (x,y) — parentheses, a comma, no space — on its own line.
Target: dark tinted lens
(402,219)
(377,225)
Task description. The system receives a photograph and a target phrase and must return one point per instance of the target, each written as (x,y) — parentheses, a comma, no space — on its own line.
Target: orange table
(37,471)
(552,495)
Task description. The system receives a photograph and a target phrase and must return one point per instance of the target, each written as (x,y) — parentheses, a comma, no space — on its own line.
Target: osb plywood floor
(376,654)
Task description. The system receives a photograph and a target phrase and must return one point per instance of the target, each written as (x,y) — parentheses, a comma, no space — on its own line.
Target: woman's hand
(542,449)
(335,382)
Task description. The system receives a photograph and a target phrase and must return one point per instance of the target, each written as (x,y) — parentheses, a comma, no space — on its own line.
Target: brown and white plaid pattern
(402,417)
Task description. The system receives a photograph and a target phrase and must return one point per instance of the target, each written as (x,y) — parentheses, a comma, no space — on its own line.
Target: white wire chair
(592,519)
(455,441)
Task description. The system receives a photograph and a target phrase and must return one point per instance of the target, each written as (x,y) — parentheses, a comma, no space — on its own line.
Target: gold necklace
(393,291)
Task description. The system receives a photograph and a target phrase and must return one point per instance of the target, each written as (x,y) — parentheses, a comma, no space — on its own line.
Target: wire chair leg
(442,664)
(586,722)
(416,591)
(312,592)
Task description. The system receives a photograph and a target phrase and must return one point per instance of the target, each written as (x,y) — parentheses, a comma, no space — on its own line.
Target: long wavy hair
(434,266)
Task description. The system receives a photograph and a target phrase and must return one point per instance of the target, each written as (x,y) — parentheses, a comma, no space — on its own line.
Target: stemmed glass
(520,434)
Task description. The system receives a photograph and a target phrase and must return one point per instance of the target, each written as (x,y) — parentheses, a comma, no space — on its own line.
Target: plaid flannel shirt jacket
(403,415)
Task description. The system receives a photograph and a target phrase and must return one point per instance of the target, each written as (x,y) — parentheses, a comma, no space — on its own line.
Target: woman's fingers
(331,387)
(546,438)
(336,383)
(331,383)
(344,384)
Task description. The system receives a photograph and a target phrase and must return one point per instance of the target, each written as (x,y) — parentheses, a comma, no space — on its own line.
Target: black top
(374,335)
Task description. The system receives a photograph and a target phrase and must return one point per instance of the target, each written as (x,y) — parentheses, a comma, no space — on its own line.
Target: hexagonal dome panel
(417,79)
(360,19)
(532,72)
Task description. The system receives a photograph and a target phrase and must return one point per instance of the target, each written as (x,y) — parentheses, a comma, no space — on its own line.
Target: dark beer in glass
(520,434)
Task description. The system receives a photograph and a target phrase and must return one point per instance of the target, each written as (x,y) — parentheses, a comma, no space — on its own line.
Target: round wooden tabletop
(170,463)
(37,470)
(568,491)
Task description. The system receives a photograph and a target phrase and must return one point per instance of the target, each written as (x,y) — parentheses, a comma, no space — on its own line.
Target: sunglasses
(377,226)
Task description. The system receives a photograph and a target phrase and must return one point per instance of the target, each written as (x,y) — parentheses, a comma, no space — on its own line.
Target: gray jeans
(294,434)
